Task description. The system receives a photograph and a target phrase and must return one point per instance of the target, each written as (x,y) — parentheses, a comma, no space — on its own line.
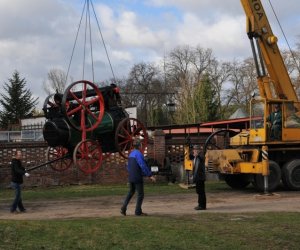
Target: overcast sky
(38,35)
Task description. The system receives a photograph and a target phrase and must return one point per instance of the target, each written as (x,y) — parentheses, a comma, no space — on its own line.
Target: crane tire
(291,174)
(273,179)
(237,181)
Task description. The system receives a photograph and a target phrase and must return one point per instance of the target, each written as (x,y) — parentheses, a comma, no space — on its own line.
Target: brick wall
(112,171)
(157,149)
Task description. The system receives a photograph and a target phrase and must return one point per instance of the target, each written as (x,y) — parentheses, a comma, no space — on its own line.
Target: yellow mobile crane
(258,155)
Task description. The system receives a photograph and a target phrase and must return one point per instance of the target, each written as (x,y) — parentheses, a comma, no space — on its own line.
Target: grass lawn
(204,231)
(201,231)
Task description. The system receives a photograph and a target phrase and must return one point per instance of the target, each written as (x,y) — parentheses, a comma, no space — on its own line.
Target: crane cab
(275,122)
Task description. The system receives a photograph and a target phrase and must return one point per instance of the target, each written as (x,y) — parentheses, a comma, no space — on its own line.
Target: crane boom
(277,84)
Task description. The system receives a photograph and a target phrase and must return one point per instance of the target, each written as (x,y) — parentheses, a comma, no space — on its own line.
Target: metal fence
(23,135)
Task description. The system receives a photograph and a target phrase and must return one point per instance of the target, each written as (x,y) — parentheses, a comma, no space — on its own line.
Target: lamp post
(171,106)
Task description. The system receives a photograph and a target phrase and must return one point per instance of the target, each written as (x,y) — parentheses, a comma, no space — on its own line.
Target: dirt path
(179,204)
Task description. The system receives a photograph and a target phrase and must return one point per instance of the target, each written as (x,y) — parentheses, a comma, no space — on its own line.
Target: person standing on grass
(137,169)
(199,177)
(17,172)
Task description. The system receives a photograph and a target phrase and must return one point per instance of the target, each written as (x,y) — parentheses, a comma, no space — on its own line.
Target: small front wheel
(87,156)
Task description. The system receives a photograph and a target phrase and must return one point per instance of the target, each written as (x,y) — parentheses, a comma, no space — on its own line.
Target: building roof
(239,113)
(239,123)
(206,127)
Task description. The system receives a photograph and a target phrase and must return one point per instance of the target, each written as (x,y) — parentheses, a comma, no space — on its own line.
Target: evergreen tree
(18,103)
(205,101)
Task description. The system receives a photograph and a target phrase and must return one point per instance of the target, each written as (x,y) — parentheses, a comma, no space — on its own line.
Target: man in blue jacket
(137,169)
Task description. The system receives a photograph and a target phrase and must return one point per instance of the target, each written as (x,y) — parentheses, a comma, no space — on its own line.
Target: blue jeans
(139,187)
(18,199)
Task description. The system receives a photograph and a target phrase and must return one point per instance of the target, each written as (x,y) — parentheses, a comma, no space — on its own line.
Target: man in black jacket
(199,177)
(17,172)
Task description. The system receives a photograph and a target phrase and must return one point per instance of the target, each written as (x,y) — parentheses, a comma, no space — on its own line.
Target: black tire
(283,177)
(291,174)
(237,181)
(273,178)
(253,182)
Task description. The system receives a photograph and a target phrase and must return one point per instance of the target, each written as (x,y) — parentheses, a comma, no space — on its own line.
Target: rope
(84,45)
(75,43)
(292,53)
(86,10)
(91,47)
(111,68)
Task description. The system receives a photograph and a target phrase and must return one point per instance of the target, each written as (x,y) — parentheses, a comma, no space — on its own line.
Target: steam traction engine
(86,124)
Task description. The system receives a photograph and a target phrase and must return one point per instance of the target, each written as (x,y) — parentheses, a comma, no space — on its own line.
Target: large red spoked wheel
(83,99)
(127,130)
(87,156)
(55,153)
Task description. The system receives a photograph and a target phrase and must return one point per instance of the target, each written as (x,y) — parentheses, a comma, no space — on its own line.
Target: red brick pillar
(159,146)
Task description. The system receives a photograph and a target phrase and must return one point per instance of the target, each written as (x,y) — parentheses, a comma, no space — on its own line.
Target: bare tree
(243,81)
(184,70)
(186,67)
(202,60)
(56,81)
(145,89)
(219,73)
(178,74)
(292,63)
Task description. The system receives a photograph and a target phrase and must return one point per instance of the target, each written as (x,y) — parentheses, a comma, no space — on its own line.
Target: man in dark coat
(17,172)
(199,177)
(275,123)
(137,169)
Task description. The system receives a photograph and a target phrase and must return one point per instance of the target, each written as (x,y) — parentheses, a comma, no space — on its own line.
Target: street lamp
(171,106)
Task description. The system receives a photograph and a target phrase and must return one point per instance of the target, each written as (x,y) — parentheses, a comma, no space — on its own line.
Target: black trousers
(200,189)
(139,187)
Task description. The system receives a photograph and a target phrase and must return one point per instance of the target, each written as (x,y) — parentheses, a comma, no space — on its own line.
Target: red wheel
(57,152)
(126,131)
(83,105)
(87,156)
